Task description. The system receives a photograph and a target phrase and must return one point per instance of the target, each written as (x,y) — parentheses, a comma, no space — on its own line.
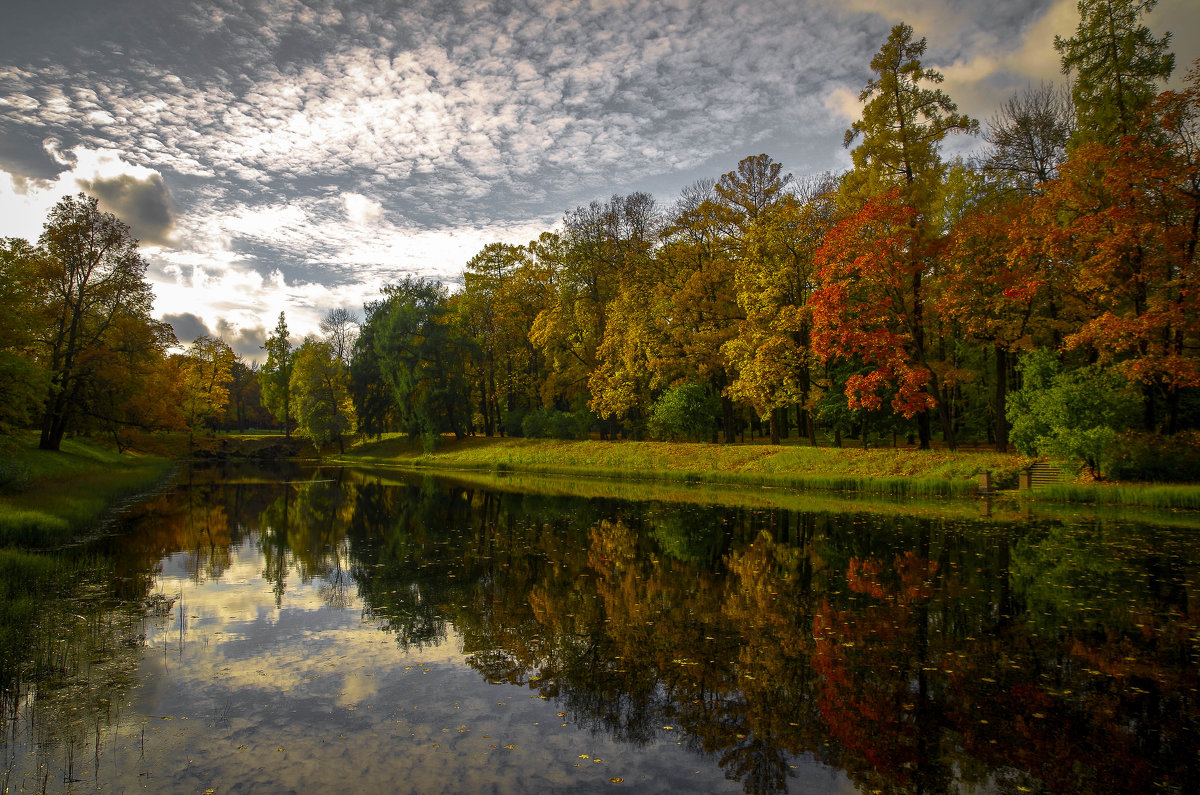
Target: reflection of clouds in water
(307,697)
(234,634)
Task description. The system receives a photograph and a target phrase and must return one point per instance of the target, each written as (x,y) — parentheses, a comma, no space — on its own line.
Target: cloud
(188,327)
(360,210)
(144,204)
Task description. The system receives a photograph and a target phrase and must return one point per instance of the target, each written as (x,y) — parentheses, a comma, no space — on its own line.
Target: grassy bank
(48,497)
(904,472)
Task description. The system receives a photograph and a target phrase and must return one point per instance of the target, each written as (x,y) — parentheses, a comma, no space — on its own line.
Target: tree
(897,175)
(207,371)
(1069,414)
(870,304)
(374,406)
(340,327)
(276,375)
(902,125)
(424,356)
(23,382)
(774,277)
(94,278)
(320,389)
(1028,137)
(1117,64)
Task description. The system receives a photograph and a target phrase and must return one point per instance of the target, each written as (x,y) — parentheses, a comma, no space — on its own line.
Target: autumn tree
(207,371)
(94,280)
(774,277)
(889,242)
(275,376)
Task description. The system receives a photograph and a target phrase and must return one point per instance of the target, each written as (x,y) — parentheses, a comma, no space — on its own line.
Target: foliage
(1074,415)
(321,393)
(545,423)
(424,356)
(1117,64)
(275,377)
(687,411)
(93,281)
(1155,457)
(207,373)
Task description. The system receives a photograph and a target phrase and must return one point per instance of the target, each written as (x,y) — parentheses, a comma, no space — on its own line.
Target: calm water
(332,631)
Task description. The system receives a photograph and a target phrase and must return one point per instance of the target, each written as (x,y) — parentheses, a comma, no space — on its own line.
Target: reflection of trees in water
(917,655)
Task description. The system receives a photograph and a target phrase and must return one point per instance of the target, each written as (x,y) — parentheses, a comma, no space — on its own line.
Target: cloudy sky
(295,155)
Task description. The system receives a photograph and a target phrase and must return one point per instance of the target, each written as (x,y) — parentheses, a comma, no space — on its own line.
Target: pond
(336,630)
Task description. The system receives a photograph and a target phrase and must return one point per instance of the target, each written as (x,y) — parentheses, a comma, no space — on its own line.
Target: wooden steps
(1042,473)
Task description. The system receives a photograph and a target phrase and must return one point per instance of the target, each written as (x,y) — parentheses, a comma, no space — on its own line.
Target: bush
(1152,457)
(546,423)
(1073,415)
(689,411)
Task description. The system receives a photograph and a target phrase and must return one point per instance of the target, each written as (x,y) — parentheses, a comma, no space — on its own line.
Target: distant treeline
(1043,295)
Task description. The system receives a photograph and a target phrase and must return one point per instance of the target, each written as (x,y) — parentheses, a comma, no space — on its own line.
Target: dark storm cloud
(187,327)
(144,204)
(245,342)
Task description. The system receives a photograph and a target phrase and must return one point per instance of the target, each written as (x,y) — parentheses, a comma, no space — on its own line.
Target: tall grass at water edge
(1147,496)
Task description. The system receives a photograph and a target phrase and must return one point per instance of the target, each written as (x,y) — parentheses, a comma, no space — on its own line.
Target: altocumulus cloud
(278,154)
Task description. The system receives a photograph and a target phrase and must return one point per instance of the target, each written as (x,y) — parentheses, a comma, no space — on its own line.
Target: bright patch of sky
(279,155)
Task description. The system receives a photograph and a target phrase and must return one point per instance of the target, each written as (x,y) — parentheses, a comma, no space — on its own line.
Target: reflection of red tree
(871,661)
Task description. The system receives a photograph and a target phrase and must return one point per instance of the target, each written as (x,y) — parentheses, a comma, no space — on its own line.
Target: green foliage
(544,423)
(275,378)
(1156,458)
(688,411)
(424,356)
(1074,415)
(1118,66)
(321,394)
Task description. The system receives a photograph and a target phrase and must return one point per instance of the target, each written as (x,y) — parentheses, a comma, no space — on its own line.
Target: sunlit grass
(894,472)
(65,491)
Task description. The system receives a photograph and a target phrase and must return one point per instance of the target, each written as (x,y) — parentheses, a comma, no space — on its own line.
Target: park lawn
(56,495)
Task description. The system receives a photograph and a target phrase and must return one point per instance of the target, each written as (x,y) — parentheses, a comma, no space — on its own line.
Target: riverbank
(905,472)
(46,498)
(898,472)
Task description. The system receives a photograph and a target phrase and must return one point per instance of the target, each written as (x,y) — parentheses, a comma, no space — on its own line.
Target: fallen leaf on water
(617,780)
(584,756)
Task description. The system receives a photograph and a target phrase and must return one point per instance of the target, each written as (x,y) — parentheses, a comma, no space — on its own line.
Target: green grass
(63,493)
(1148,496)
(906,472)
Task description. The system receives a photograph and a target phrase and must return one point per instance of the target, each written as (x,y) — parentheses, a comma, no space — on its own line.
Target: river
(340,630)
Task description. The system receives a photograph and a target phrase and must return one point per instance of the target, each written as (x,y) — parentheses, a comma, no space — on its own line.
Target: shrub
(1153,457)
(546,423)
(1073,415)
(688,411)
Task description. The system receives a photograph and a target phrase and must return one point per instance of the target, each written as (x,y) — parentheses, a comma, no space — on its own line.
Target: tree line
(1042,294)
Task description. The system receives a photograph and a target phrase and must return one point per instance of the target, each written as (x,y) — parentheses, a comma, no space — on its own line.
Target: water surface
(333,630)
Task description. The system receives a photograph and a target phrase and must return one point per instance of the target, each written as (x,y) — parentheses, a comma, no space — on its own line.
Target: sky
(297,155)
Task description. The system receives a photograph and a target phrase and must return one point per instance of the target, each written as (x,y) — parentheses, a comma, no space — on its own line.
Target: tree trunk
(1001,402)
(774,426)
